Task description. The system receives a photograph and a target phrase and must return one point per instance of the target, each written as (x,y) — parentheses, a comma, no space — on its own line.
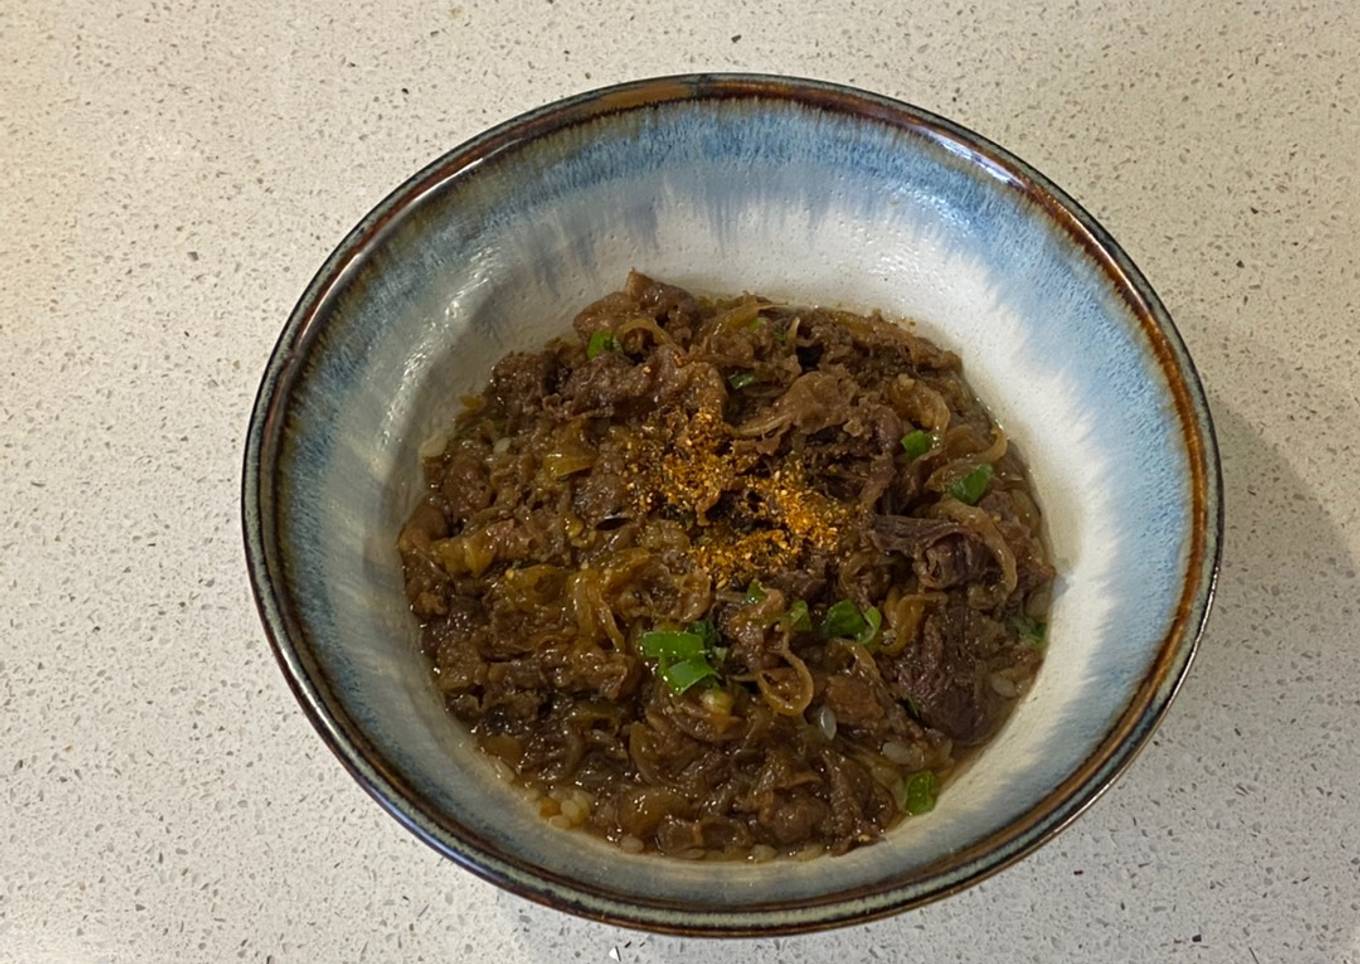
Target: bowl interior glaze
(798,191)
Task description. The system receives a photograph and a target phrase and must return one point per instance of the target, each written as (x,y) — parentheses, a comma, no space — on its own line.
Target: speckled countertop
(173,173)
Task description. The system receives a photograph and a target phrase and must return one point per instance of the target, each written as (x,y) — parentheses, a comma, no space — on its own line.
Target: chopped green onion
(755,592)
(919,791)
(873,622)
(672,645)
(970,488)
(720,654)
(917,443)
(1031,631)
(756,322)
(683,656)
(740,380)
(912,708)
(601,341)
(684,674)
(798,618)
(781,334)
(706,631)
(843,620)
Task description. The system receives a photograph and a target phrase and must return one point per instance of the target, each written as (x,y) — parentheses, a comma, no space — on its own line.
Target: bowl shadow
(1269,772)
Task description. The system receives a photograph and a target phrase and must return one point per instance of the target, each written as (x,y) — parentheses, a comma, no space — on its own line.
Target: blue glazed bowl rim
(881,898)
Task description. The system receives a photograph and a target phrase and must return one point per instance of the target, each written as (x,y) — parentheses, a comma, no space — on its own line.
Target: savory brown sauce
(728,578)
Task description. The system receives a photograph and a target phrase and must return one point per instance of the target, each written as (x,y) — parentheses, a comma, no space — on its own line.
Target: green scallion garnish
(682,675)
(670,645)
(684,657)
(919,792)
(970,488)
(601,341)
(873,622)
(798,618)
(843,620)
(917,443)
(740,380)
(706,631)
(755,592)
(1031,631)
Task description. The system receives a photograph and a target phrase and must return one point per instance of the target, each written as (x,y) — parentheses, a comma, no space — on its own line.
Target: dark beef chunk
(466,486)
(519,381)
(885,437)
(675,309)
(602,385)
(460,666)
(955,560)
(701,388)
(943,678)
(944,554)
(427,584)
(861,699)
(794,817)
(596,673)
(750,628)
(854,701)
(515,690)
(427,523)
(604,315)
(909,535)
(823,341)
(857,802)
(600,496)
(465,616)
(806,582)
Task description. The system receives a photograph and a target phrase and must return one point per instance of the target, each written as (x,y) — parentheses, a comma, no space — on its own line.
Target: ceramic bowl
(798,190)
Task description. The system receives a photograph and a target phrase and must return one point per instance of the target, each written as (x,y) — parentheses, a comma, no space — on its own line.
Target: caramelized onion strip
(647,325)
(776,700)
(946,475)
(982,525)
(905,615)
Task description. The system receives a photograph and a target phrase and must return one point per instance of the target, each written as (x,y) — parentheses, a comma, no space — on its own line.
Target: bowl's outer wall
(794,200)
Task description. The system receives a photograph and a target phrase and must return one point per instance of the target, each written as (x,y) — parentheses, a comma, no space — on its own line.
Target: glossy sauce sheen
(728,578)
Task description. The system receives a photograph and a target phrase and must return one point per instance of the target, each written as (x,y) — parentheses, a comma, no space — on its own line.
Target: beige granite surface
(171,174)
